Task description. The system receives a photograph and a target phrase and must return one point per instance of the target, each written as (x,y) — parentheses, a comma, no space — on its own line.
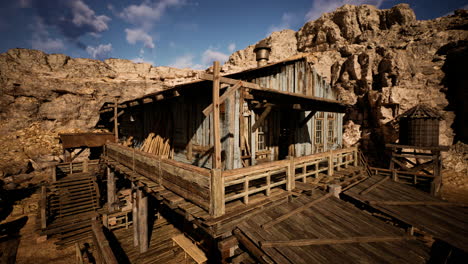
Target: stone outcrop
(43,94)
(383,62)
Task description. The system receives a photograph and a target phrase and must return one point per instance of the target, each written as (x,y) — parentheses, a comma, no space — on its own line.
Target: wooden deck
(445,221)
(161,248)
(332,219)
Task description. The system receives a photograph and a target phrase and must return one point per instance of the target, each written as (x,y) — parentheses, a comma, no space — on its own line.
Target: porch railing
(212,190)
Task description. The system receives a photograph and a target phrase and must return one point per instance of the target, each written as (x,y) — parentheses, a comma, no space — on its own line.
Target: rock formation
(42,95)
(382,62)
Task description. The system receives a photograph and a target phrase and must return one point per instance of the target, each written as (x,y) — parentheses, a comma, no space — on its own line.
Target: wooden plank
(262,118)
(295,211)
(250,246)
(217,205)
(191,249)
(425,203)
(116,122)
(333,241)
(216,124)
(440,148)
(307,118)
(103,244)
(223,97)
(142,221)
(375,185)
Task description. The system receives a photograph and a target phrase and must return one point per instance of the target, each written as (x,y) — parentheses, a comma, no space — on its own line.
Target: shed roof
(328,104)
(421,111)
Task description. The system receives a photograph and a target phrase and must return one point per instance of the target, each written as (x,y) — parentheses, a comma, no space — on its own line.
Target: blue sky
(180,33)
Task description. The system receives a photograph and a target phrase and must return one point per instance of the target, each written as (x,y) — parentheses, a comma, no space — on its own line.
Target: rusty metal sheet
(76,140)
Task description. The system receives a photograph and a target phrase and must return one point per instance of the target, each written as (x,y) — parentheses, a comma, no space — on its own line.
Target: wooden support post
(223,98)
(392,166)
(261,119)
(143,220)
(335,190)
(356,157)
(216,132)
(291,180)
(217,206)
(85,165)
(135,215)
(437,182)
(111,196)
(116,121)
(330,163)
(53,173)
(43,207)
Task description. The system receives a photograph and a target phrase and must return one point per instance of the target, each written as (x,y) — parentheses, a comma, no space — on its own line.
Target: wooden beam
(261,119)
(307,118)
(332,241)
(102,244)
(250,246)
(217,205)
(223,97)
(375,185)
(118,115)
(111,191)
(43,207)
(295,211)
(135,215)
(210,77)
(143,220)
(425,203)
(216,132)
(439,148)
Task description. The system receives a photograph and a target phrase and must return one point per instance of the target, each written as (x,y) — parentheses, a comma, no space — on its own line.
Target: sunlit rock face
(44,94)
(382,62)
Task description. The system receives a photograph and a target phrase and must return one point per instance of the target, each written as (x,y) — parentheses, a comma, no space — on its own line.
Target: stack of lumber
(158,146)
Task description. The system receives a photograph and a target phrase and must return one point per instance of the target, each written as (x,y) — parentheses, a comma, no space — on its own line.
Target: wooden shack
(294,113)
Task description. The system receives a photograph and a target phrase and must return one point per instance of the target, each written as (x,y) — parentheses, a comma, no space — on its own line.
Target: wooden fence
(212,190)
(68,168)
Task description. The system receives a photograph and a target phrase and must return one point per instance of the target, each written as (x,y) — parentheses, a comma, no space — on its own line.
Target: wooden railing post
(85,165)
(135,215)
(43,207)
(330,164)
(53,173)
(217,206)
(111,196)
(356,157)
(291,174)
(143,220)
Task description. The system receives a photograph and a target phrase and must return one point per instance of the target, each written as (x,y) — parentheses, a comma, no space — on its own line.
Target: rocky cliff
(381,61)
(45,94)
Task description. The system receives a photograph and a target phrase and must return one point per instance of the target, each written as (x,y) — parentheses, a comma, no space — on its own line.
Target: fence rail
(212,190)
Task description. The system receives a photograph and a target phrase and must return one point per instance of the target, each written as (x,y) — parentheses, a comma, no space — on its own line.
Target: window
(331,132)
(319,128)
(331,128)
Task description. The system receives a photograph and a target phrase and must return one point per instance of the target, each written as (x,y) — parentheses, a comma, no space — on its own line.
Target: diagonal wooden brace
(223,97)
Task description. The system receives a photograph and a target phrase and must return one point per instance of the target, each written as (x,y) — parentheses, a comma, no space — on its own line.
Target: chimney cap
(262,45)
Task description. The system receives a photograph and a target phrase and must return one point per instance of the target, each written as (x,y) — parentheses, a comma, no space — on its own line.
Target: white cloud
(82,15)
(211,55)
(139,35)
(142,60)
(323,6)
(100,52)
(148,12)
(287,20)
(232,47)
(41,39)
(186,61)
